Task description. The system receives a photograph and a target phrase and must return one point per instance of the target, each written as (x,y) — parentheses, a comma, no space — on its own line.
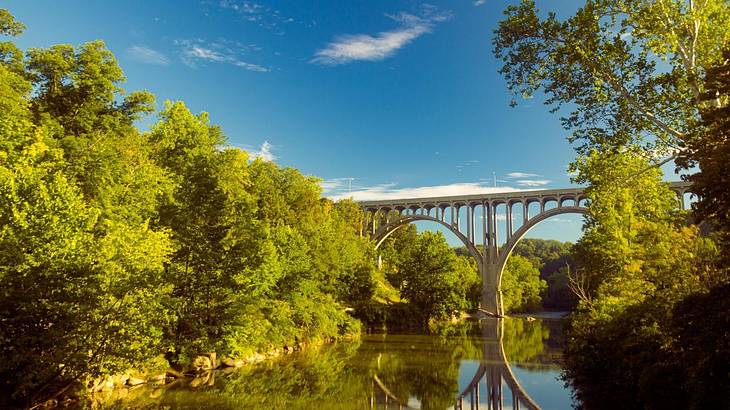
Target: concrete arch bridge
(474,220)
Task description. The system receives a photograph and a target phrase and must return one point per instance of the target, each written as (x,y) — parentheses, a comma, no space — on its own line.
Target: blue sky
(392,98)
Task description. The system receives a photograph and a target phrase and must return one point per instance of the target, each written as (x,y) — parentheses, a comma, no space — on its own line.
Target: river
(495,364)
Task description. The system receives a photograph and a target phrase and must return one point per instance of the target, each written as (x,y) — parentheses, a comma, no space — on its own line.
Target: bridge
(459,214)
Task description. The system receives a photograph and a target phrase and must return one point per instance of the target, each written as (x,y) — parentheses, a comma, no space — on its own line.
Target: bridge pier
(491,300)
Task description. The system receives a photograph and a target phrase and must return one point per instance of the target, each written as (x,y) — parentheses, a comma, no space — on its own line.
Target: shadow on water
(492,364)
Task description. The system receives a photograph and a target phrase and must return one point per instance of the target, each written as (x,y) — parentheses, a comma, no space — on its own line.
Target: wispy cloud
(392,191)
(526,179)
(197,51)
(479,2)
(264,152)
(259,14)
(347,48)
(147,55)
(336,185)
(466,164)
(559,220)
(532,182)
(514,175)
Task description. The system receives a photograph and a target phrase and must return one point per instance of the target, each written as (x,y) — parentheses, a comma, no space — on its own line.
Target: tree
(709,151)
(82,293)
(630,70)
(435,281)
(640,260)
(554,259)
(522,287)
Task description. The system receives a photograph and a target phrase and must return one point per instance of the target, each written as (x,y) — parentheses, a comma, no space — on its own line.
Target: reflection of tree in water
(523,340)
(342,376)
(425,368)
(318,378)
(535,345)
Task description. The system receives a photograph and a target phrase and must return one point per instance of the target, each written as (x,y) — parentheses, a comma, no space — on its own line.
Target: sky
(379,99)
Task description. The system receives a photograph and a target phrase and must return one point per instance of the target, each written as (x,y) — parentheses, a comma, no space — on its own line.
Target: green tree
(640,260)
(82,293)
(709,152)
(434,280)
(630,71)
(522,287)
(554,259)
(222,256)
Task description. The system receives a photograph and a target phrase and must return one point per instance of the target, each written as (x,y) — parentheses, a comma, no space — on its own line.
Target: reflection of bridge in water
(484,391)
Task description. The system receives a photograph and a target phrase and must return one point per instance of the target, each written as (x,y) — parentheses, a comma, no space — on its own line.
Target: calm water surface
(494,364)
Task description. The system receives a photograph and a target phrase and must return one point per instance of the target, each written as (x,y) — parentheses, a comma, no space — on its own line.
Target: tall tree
(709,150)
(630,71)
(640,260)
(82,293)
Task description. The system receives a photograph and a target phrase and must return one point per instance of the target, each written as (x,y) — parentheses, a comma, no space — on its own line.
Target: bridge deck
(511,196)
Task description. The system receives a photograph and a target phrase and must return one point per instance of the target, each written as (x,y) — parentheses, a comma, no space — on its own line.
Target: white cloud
(264,152)
(391,191)
(532,182)
(514,175)
(365,47)
(193,52)
(479,2)
(147,55)
(336,185)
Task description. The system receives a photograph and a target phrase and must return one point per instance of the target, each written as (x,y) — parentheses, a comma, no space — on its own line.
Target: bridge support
(491,300)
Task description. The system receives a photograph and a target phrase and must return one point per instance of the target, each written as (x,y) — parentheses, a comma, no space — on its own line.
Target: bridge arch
(524,229)
(388,229)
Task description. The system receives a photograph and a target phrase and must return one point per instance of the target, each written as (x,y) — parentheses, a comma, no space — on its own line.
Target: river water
(495,364)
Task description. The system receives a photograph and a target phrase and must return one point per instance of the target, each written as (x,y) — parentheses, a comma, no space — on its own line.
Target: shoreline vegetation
(120,245)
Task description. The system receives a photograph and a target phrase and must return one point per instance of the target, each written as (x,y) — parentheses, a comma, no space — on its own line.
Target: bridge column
(525,212)
(472,222)
(682,205)
(468,223)
(491,302)
(485,234)
(509,220)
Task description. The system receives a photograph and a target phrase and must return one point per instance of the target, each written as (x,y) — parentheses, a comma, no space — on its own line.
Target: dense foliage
(710,151)
(118,245)
(433,280)
(636,262)
(630,71)
(555,261)
(632,74)
(522,287)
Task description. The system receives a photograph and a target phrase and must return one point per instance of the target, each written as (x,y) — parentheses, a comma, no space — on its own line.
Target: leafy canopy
(629,71)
